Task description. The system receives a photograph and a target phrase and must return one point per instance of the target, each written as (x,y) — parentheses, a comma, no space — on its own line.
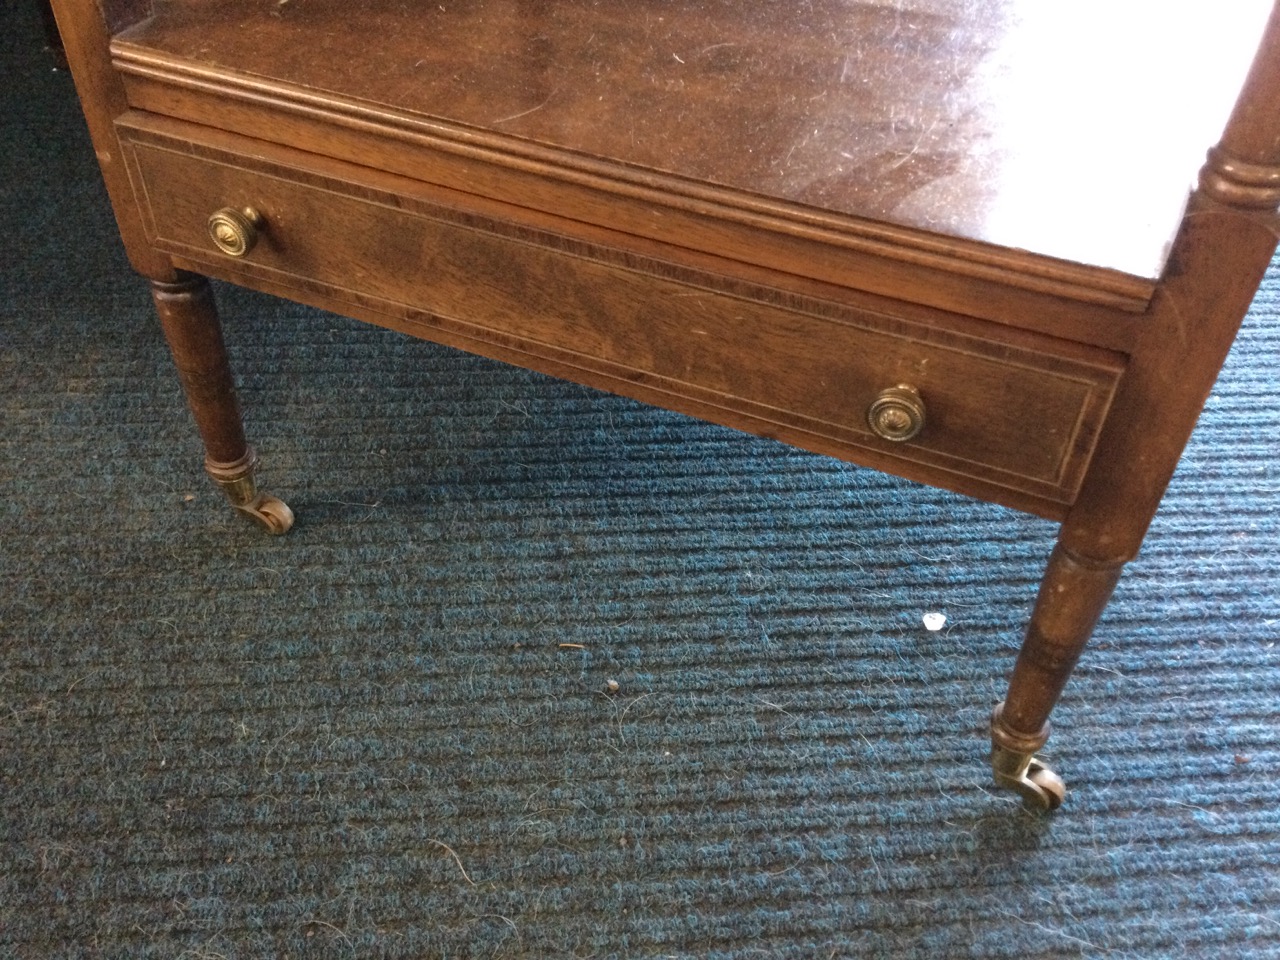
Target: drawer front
(1019,416)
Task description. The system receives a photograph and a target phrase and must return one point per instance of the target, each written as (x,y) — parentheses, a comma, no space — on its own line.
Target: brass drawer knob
(897,414)
(234,232)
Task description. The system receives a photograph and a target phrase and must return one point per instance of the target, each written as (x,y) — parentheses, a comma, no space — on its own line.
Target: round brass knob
(234,232)
(897,414)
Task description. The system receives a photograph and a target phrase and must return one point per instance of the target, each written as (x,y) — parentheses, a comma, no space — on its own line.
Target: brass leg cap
(237,481)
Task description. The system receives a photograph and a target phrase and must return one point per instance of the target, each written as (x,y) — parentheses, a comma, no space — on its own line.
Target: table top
(1068,130)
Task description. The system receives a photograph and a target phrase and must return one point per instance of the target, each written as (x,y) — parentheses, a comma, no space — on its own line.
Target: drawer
(1004,410)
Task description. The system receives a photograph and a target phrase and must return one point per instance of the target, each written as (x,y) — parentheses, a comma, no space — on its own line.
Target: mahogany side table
(958,242)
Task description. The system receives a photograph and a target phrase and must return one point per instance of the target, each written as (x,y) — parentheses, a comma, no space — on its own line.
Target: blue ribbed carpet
(390,734)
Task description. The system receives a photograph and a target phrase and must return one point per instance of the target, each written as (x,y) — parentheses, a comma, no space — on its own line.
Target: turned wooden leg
(1072,596)
(190,322)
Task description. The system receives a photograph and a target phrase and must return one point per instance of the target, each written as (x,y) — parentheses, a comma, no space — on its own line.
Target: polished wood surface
(86,31)
(770,216)
(1013,122)
(194,334)
(653,213)
(1014,412)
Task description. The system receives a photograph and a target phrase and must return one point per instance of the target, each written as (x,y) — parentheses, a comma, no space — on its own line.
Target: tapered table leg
(1072,596)
(191,326)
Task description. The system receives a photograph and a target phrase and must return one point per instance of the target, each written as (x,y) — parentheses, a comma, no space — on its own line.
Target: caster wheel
(1049,788)
(1040,788)
(272,512)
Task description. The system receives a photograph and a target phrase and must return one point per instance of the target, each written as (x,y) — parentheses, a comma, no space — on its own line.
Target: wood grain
(1017,414)
(85,37)
(194,334)
(946,271)
(951,117)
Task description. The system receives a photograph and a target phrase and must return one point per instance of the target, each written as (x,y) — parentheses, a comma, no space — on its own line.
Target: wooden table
(949,240)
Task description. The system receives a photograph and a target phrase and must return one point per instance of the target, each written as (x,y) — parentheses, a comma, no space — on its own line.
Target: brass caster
(272,512)
(1041,789)
(237,482)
